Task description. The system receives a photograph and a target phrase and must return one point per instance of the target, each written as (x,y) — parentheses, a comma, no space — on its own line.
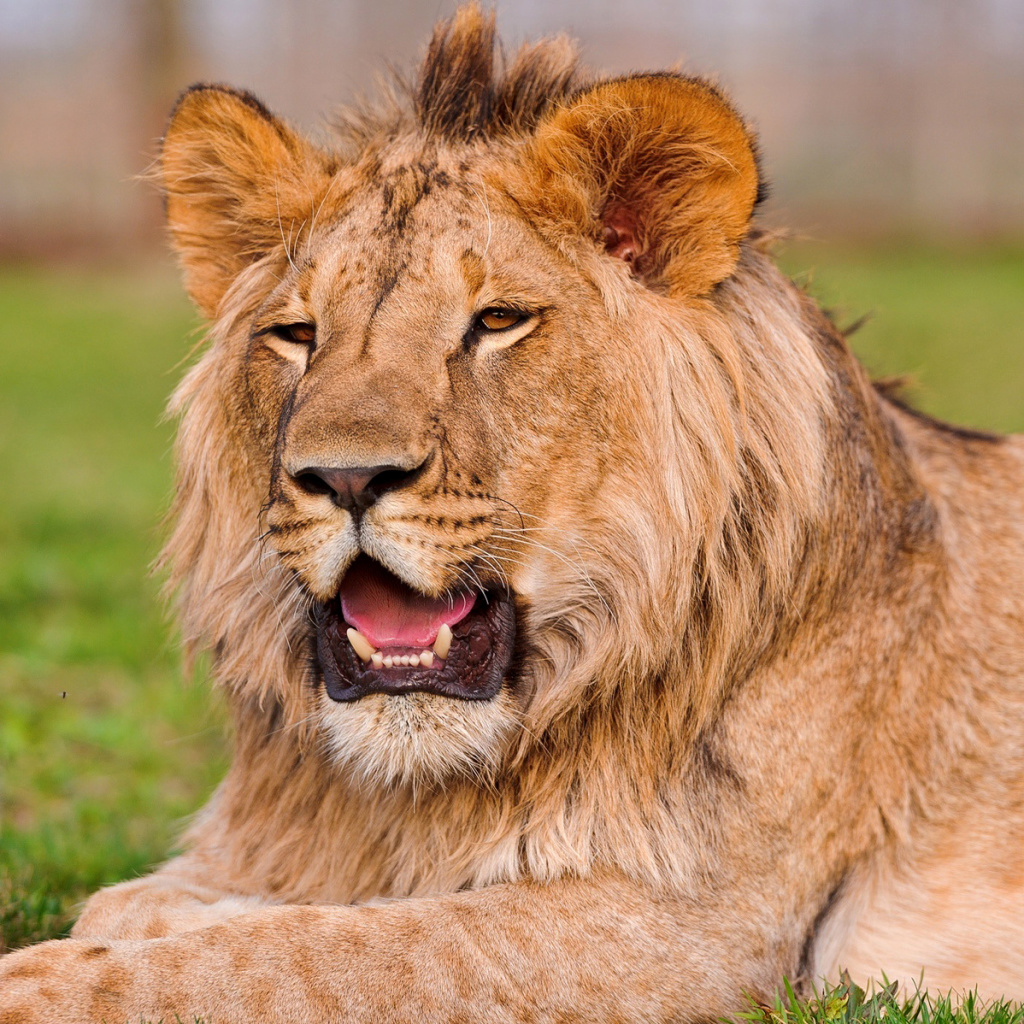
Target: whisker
(316,214)
(465,572)
(487,212)
(577,568)
(287,251)
(490,560)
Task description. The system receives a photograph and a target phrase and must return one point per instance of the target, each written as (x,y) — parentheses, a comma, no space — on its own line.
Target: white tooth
(427,659)
(443,643)
(405,659)
(360,644)
(414,660)
(388,661)
(378,659)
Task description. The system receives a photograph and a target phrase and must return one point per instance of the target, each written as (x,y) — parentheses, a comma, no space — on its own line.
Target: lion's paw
(59,982)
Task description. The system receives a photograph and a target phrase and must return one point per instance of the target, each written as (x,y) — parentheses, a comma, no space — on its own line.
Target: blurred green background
(104,745)
(889,127)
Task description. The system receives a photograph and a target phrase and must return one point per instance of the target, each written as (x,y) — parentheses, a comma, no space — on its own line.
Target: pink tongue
(390,614)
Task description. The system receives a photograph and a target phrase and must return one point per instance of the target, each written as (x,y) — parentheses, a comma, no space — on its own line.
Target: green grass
(951,320)
(847,1003)
(104,747)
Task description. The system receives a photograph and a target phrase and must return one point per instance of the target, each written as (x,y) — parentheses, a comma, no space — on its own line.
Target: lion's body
(764,711)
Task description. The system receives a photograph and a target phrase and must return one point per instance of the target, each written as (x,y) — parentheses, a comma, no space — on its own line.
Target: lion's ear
(660,169)
(239,183)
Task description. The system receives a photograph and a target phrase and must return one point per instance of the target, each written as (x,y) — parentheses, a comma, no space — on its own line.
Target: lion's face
(437,401)
(440,409)
(456,439)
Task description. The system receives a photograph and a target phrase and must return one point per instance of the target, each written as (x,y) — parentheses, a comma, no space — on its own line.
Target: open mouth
(380,636)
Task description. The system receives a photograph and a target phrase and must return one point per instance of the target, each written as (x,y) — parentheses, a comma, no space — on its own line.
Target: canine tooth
(360,644)
(388,661)
(378,659)
(414,660)
(443,643)
(426,658)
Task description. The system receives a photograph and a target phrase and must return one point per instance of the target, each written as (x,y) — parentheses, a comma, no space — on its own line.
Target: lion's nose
(355,488)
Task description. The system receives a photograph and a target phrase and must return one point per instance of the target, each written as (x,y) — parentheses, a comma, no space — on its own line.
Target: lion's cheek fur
(234,598)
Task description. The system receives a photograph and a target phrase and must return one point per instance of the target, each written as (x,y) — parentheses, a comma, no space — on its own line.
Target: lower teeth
(424,659)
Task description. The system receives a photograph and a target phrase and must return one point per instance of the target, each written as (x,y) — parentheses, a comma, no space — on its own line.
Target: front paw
(60,982)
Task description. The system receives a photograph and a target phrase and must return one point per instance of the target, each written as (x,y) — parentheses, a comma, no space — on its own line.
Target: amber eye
(300,334)
(499,319)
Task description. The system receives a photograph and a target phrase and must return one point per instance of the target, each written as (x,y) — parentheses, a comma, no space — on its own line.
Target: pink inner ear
(620,233)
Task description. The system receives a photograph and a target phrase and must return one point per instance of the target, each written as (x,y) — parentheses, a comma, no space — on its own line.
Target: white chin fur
(417,738)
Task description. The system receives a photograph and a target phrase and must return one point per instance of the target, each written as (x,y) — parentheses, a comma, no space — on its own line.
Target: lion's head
(504,416)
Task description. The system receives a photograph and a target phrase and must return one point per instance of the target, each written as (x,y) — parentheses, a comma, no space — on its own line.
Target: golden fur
(765,711)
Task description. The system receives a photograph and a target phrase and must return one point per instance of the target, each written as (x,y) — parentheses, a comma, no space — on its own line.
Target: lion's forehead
(382,203)
(422,240)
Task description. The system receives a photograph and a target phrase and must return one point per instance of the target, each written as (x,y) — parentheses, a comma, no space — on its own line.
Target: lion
(601,643)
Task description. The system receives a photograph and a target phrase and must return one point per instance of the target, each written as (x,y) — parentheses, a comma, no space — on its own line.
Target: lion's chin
(417,738)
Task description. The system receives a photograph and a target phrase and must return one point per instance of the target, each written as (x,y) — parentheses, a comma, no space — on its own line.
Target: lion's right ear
(239,183)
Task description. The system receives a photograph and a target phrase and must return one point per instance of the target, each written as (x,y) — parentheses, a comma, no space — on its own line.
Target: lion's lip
(476,663)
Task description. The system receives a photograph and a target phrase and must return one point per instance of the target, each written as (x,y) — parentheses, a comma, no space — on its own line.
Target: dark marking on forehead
(473,270)
(401,191)
(387,278)
(386,282)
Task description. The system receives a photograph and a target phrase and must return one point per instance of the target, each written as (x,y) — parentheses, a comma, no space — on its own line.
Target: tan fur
(765,714)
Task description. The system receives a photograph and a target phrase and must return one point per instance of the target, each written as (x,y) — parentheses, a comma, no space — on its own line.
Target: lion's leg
(597,951)
(953,912)
(159,905)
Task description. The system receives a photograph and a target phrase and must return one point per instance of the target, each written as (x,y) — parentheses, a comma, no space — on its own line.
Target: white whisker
(487,212)
(316,213)
(280,226)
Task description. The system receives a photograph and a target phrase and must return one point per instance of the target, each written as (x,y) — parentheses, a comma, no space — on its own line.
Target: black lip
(476,666)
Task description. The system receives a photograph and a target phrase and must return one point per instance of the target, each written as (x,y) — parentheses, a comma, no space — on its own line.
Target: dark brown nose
(355,488)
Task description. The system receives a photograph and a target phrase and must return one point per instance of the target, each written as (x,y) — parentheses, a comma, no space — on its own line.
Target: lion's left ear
(660,169)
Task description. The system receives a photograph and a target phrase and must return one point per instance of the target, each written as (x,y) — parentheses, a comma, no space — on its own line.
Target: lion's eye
(497,319)
(499,327)
(299,334)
